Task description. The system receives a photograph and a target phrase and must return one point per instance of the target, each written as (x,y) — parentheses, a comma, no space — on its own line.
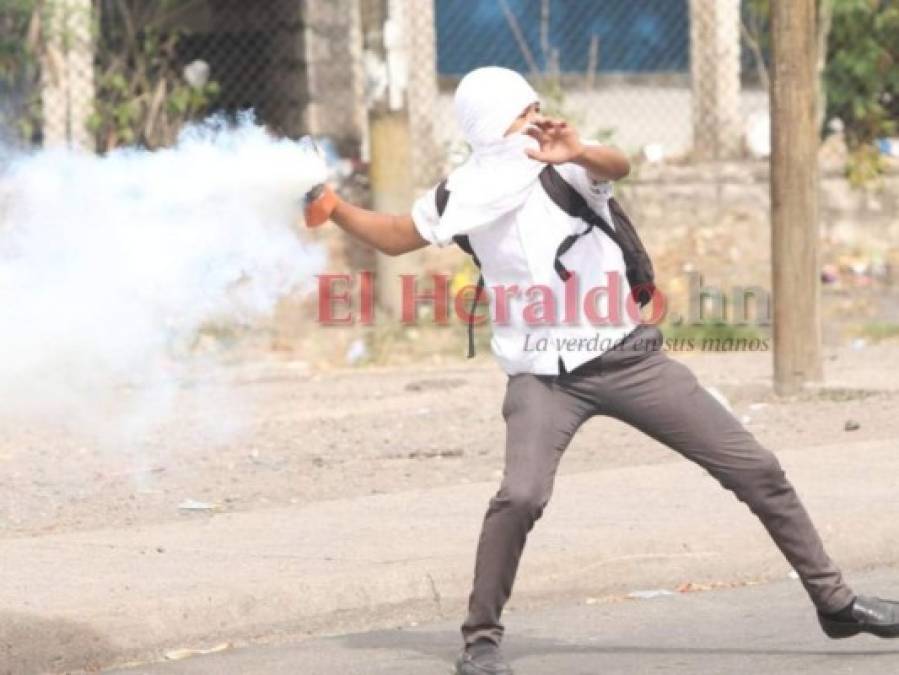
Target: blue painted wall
(635,36)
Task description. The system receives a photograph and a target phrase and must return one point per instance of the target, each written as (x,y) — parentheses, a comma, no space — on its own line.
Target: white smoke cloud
(109,266)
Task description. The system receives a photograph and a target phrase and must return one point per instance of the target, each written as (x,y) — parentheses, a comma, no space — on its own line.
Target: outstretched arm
(388,233)
(560,143)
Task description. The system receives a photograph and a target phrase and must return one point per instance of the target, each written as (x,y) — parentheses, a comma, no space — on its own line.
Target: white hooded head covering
(488,100)
(498,176)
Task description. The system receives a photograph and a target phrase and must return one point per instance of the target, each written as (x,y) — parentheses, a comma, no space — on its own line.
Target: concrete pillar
(332,39)
(396,128)
(391,192)
(715,73)
(67,75)
(421,93)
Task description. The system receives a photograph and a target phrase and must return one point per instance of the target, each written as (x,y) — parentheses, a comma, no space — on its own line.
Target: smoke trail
(110,266)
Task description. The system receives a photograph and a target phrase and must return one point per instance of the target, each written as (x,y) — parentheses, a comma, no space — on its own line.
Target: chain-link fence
(621,70)
(680,79)
(99,74)
(665,79)
(673,82)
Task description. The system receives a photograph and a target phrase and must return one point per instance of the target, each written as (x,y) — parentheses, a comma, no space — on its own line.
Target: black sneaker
(482,657)
(866,614)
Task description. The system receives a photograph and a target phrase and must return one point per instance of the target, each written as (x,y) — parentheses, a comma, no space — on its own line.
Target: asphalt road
(766,628)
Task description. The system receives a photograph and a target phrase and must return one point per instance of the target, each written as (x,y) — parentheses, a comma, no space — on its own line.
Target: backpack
(638,266)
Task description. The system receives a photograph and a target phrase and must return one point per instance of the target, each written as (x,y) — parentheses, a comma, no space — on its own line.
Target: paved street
(365,517)
(765,628)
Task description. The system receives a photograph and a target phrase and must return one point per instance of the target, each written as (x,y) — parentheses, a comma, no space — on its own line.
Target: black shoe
(482,658)
(866,614)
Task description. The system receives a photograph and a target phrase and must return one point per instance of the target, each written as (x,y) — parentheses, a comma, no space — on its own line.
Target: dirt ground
(270,432)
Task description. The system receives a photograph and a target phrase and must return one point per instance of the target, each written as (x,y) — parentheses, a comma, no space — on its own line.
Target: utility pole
(794,196)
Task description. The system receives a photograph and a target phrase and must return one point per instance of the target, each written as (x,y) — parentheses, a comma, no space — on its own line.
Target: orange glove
(320,203)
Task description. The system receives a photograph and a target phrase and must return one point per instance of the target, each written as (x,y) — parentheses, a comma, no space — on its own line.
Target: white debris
(197,73)
(758,134)
(721,398)
(648,595)
(356,351)
(179,654)
(654,152)
(194,505)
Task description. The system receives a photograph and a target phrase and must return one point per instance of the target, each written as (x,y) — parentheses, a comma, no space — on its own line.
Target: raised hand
(559,141)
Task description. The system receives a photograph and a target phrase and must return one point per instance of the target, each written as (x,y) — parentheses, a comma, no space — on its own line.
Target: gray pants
(661,397)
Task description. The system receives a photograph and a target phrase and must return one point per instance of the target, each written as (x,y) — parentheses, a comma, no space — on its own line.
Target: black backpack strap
(567,198)
(441,197)
(474,305)
(463,242)
(641,275)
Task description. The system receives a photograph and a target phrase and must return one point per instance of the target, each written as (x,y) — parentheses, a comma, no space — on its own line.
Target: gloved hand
(319,204)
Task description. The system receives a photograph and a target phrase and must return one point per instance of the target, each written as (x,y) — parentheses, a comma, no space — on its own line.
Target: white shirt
(519,250)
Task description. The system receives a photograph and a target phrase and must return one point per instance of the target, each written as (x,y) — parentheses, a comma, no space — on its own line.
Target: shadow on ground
(439,645)
(31,645)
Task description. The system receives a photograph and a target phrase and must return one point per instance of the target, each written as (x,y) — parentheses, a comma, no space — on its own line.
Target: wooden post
(794,197)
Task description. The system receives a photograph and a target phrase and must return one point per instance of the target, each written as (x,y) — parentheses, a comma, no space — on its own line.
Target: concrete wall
(716,216)
(714,219)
